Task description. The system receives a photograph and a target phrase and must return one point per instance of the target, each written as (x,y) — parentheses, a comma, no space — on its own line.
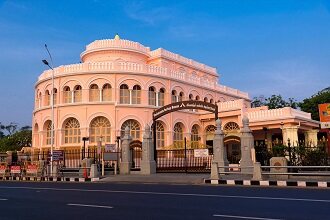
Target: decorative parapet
(231,105)
(121,66)
(116,43)
(160,52)
(273,114)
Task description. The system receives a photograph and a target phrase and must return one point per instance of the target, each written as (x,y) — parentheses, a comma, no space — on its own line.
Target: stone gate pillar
(219,150)
(247,143)
(148,163)
(126,162)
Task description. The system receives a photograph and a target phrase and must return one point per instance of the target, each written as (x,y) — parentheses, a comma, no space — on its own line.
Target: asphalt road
(23,200)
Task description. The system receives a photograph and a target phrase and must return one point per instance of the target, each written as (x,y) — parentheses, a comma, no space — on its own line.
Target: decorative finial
(126,131)
(245,121)
(147,128)
(218,124)
(117,37)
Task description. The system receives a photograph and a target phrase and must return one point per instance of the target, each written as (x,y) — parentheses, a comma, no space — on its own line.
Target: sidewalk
(172,178)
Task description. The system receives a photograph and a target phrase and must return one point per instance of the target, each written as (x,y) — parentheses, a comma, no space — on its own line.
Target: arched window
(231,127)
(94,93)
(106,92)
(211,101)
(161,97)
(134,127)
(72,131)
(197,98)
(194,136)
(178,135)
(77,94)
(67,95)
(124,94)
(181,96)
(174,98)
(191,97)
(152,96)
(209,131)
(136,94)
(55,96)
(48,126)
(100,128)
(36,104)
(206,99)
(47,98)
(160,132)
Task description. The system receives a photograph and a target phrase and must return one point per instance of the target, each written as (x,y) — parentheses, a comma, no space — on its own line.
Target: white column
(157,94)
(311,137)
(72,96)
(290,133)
(101,95)
(130,96)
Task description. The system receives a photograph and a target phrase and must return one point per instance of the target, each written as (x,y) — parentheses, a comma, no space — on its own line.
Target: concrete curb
(286,183)
(50,179)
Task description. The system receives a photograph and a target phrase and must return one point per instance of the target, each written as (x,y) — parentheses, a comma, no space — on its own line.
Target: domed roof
(115,44)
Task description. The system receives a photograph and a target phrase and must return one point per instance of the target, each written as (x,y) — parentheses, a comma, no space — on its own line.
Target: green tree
(311,104)
(273,102)
(15,140)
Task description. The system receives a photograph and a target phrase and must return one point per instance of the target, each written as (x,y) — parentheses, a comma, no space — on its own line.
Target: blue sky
(262,47)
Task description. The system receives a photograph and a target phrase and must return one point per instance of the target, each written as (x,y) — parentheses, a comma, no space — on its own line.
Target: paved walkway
(175,178)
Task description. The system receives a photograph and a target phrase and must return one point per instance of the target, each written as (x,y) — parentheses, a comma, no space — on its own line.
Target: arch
(106,92)
(209,132)
(180,97)
(194,137)
(99,114)
(47,128)
(67,95)
(161,97)
(205,99)
(77,93)
(231,127)
(71,131)
(178,135)
(130,82)
(233,147)
(47,98)
(100,127)
(99,80)
(66,117)
(136,94)
(152,96)
(124,94)
(36,128)
(160,133)
(94,93)
(174,97)
(134,127)
(71,83)
(155,83)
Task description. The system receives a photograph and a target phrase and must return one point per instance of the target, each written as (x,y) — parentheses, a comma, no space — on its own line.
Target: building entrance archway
(183,159)
(233,146)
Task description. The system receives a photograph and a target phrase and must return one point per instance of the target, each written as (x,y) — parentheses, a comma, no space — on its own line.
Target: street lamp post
(83,151)
(52,109)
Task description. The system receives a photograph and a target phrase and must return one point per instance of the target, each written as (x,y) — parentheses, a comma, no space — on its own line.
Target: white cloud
(148,16)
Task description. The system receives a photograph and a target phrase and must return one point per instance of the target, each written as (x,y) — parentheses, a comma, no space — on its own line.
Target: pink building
(120,83)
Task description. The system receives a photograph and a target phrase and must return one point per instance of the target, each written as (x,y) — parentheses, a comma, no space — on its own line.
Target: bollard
(215,171)
(94,171)
(257,171)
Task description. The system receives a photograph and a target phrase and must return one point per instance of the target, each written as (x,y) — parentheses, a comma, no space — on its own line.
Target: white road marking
(244,217)
(92,206)
(3,199)
(170,194)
